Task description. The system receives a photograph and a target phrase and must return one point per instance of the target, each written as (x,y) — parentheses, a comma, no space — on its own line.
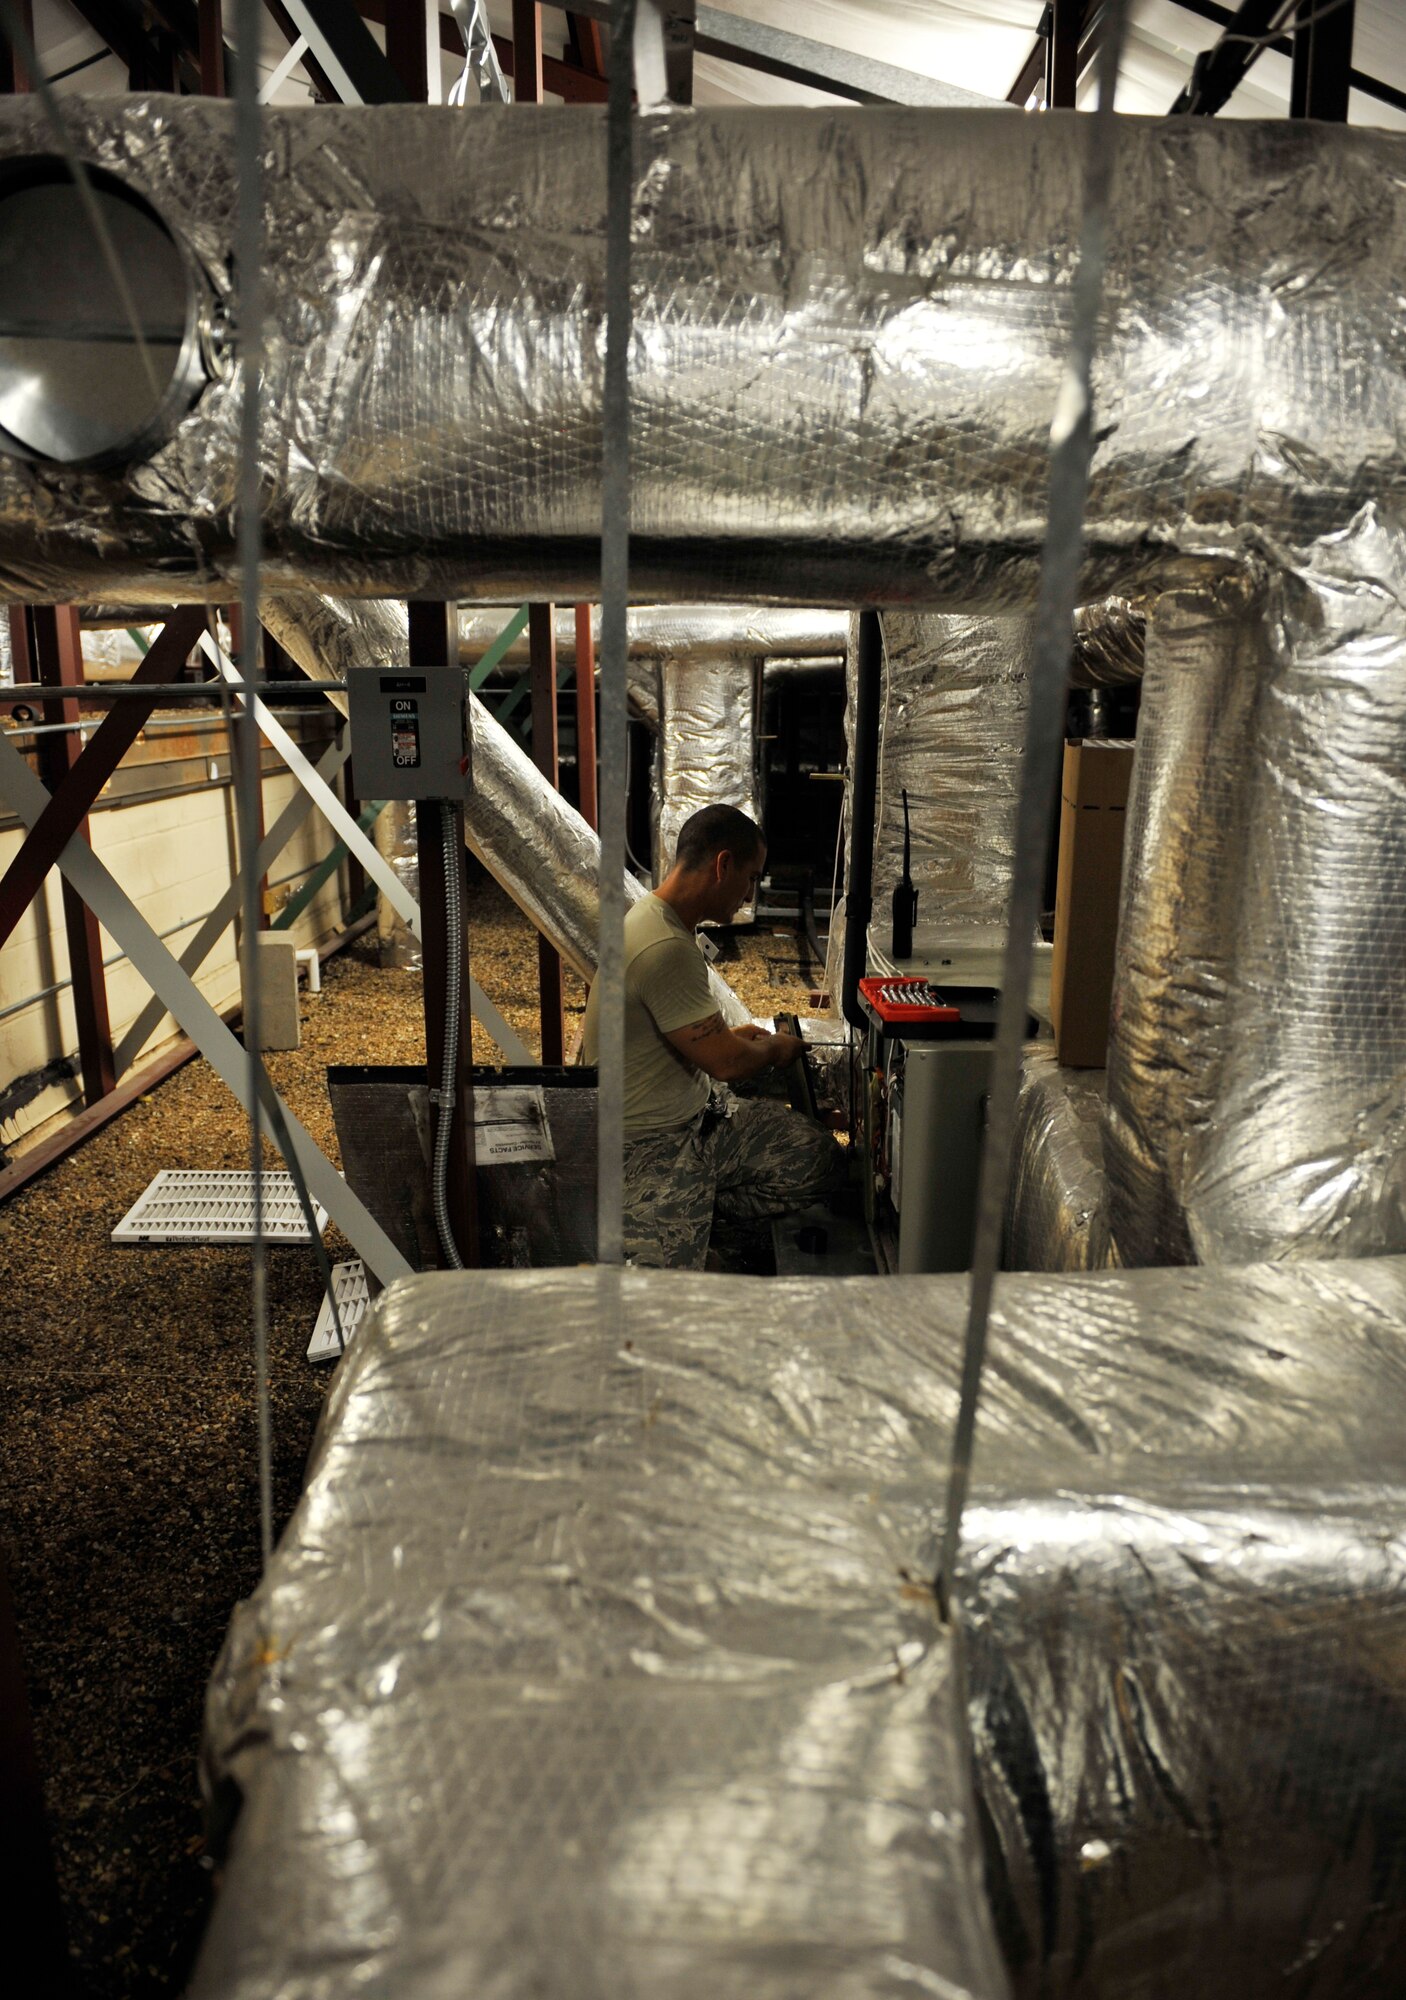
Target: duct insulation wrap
(531,841)
(953,735)
(1109,643)
(1182,862)
(1057,1204)
(666,1719)
(397,839)
(678,1715)
(1258,1032)
(707,747)
(849,340)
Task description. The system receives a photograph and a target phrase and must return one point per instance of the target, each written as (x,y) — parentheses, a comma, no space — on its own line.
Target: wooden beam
(81,783)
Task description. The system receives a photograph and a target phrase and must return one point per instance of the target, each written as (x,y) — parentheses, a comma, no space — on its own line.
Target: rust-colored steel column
(58,653)
(431,631)
(210,16)
(237,658)
(542,652)
(527,52)
(586,714)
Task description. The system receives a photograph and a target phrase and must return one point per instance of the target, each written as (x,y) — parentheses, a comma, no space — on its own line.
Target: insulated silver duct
(532,842)
(707,746)
(953,736)
(847,399)
(687,1672)
(1057,1205)
(1257,1052)
(679,631)
(1110,639)
(1182,863)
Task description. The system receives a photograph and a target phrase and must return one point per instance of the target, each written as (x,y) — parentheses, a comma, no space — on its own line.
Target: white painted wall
(173,858)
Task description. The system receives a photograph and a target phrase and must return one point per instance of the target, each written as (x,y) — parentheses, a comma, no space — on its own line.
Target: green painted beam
(328,866)
(496,651)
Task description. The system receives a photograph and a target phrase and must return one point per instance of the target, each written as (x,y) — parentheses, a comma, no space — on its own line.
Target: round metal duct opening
(103,333)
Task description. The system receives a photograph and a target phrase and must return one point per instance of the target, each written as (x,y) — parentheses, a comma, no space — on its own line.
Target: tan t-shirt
(666,988)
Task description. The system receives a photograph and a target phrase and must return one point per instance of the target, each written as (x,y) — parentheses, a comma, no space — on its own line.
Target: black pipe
(859,885)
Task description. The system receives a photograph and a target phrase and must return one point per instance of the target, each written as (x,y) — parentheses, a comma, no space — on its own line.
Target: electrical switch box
(407,732)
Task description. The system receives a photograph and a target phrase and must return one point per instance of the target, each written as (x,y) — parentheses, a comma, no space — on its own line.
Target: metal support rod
(1071,452)
(586,713)
(432,643)
(615,597)
(91,769)
(542,646)
(210,17)
(58,652)
(244,742)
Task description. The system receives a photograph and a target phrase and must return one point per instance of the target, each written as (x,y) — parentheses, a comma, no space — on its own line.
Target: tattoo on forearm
(701,1030)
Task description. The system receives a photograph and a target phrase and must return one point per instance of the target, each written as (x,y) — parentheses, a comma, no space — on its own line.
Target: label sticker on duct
(510,1124)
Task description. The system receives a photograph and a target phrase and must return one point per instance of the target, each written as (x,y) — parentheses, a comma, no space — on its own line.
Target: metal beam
(1218,72)
(69,804)
(312,68)
(1322,63)
(1370,86)
(527,52)
(14,76)
(200,946)
(542,643)
(1062,64)
(413,47)
(119,23)
(119,916)
(347,52)
(58,651)
(775,52)
(586,714)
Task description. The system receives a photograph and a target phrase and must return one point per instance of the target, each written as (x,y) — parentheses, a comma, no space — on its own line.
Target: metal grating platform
(353,1297)
(186,1207)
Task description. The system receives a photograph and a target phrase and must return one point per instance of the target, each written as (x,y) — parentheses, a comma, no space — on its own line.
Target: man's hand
(730,1055)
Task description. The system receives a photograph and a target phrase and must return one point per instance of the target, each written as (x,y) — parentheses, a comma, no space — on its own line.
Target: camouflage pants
(747,1158)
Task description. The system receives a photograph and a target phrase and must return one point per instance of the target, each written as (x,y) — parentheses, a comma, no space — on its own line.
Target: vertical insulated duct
(1257,1063)
(1180,896)
(707,746)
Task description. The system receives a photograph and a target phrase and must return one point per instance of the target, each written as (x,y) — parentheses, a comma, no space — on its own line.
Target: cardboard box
(1093,816)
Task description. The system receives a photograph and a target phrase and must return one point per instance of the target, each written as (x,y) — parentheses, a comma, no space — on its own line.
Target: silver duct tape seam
(1057,1205)
(844,397)
(672,1713)
(530,839)
(952,734)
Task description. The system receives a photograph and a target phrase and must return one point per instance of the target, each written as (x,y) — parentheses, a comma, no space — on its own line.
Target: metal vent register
(184,1207)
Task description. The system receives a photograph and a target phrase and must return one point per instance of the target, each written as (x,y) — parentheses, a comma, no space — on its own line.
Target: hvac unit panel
(938,1095)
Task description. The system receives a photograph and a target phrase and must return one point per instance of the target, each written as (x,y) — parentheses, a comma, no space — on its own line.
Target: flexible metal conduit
(874,426)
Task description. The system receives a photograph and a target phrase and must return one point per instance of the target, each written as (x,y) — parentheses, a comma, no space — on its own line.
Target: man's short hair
(717,830)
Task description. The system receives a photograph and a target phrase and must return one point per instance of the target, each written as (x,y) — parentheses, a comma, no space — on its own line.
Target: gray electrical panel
(407,732)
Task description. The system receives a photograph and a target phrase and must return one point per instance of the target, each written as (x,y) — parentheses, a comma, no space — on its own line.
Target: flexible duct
(533,843)
(1110,640)
(1057,1203)
(1258,1032)
(1182,861)
(849,339)
(707,746)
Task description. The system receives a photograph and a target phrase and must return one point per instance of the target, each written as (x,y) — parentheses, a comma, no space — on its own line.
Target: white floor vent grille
(216,1208)
(353,1297)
